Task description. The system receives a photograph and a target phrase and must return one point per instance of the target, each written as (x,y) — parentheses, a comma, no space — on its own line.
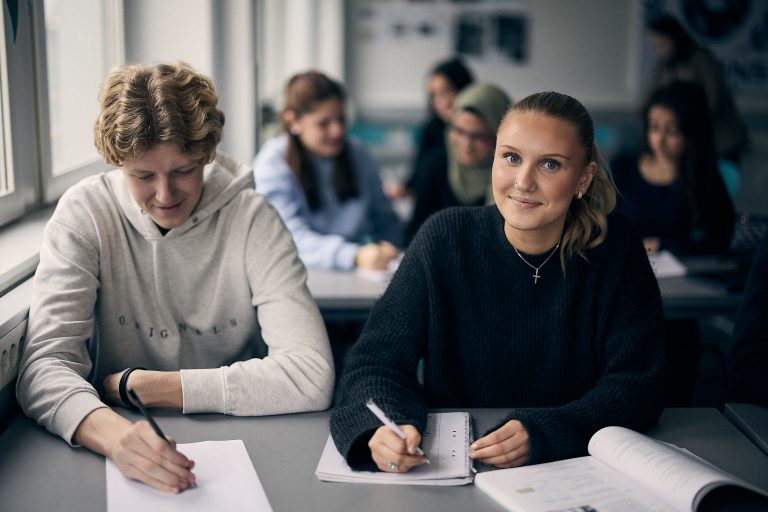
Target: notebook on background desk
(445,442)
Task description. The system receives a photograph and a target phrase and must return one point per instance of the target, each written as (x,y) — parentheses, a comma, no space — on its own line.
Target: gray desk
(40,472)
(344,295)
(696,295)
(752,420)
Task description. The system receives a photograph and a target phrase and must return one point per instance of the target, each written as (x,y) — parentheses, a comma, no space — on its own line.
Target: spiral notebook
(446,441)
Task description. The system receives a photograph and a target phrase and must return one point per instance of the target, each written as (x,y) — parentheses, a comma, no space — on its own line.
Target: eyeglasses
(472,137)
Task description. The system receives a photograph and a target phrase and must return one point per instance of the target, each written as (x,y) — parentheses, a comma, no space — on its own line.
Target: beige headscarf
(471,183)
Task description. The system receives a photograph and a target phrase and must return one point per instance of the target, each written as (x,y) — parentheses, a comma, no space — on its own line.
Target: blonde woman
(544,305)
(156,277)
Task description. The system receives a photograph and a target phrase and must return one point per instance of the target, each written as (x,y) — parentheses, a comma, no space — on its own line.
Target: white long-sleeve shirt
(330,237)
(112,292)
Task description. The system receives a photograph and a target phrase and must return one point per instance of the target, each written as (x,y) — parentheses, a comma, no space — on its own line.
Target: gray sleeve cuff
(72,412)
(203,391)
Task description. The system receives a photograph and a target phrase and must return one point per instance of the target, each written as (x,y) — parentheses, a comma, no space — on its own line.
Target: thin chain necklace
(536,275)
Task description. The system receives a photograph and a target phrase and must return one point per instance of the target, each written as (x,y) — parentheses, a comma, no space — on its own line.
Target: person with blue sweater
(545,307)
(324,185)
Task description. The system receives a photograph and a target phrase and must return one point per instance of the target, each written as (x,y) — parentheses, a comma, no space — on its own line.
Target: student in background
(672,189)
(542,304)
(460,173)
(444,83)
(681,59)
(748,360)
(674,194)
(324,185)
(159,276)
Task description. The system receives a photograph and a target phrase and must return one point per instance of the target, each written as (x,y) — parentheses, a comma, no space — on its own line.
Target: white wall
(218,39)
(587,48)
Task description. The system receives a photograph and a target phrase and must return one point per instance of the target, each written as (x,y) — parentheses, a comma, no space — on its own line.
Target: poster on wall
(492,33)
(386,23)
(735,31)
(486,29)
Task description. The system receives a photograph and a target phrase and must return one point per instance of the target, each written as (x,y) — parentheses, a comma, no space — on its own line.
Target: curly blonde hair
(586,223)
(145,105)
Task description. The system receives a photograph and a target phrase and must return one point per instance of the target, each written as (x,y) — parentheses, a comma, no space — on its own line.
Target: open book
(446,441)
(626,472)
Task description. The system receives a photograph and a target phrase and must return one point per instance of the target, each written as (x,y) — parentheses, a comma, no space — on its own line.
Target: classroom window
(8,203)
(6,177)
(83,41)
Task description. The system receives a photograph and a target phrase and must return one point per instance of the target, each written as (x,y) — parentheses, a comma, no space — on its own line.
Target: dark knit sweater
(748,360)
(566,356)
(434,192)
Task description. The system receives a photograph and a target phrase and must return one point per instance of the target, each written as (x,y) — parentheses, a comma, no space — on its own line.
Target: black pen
(132,394)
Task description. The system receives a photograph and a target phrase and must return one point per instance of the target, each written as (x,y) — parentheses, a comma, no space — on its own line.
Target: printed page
(445,442)
(581,484)
(675,477)
(226,480)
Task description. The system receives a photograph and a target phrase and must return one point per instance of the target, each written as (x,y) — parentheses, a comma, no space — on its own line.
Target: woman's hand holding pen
(506,447)
(394,455)
(376,256)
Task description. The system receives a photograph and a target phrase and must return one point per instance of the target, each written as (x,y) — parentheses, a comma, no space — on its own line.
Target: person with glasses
(542,304)
(460,173)
(444,83)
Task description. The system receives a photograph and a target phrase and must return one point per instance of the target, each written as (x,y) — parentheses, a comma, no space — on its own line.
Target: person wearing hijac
(459,174)
(170,277)
(545,306)
(324,185)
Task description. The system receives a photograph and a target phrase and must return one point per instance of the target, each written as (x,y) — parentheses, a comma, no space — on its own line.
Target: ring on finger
(393,467)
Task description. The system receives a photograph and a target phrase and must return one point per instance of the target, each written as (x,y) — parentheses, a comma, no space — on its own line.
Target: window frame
(53,186)
(19,130)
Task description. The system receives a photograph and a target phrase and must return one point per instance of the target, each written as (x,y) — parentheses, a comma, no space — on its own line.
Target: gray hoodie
(111,292)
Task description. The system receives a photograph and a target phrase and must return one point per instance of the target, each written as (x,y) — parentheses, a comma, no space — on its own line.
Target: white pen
(375,409)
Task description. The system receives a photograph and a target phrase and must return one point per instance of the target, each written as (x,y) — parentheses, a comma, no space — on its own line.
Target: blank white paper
(226,480)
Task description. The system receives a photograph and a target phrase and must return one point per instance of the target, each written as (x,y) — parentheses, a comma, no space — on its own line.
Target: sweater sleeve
(297,374)
(275,180)
(52,387)
(748,360)
(382,365)
(629,343)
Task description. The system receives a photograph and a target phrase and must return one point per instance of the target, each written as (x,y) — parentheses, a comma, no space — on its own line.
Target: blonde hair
(145,105)
(586,223)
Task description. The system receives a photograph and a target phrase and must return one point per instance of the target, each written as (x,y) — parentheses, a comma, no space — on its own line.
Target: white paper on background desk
(665,264)
(226,480)
(381,276)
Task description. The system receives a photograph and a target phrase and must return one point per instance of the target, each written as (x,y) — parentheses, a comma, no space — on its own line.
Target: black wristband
(122,387)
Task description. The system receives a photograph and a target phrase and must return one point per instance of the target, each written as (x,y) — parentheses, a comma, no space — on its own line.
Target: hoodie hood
(223,179)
